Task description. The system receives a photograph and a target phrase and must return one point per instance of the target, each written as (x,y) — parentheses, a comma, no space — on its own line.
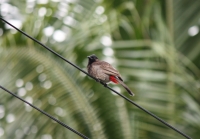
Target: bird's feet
(104,84)
(97,80)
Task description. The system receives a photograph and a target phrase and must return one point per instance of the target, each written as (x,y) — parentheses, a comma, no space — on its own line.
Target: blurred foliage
(153,43)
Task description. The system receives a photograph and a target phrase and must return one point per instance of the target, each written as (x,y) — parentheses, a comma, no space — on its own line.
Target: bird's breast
(97,72)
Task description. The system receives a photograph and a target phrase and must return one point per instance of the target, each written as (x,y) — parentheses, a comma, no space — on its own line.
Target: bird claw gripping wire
(97,80)
(104,84)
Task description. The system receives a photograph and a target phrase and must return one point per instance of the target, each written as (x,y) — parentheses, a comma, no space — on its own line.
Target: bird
(104,72)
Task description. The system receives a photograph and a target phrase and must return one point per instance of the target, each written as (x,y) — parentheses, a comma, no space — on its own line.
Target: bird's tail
(126,87)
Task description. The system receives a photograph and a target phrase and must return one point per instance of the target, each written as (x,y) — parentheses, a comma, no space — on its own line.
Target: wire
(48,115)
(105,85)
(153,115)
(46,47)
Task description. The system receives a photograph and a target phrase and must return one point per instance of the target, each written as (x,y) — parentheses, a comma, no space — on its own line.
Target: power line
(148,112)
(153,115)
(45,113)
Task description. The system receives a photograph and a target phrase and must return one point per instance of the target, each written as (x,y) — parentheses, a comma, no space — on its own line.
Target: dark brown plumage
(104,72)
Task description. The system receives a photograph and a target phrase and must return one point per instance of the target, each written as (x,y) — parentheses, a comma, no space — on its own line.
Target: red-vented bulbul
(104,72)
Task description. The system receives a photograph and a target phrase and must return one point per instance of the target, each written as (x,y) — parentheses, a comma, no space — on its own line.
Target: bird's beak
(88,57)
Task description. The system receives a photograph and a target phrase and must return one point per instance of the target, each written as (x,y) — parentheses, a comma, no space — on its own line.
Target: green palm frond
(148,42)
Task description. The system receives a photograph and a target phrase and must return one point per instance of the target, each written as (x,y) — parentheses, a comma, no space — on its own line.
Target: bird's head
(92,59)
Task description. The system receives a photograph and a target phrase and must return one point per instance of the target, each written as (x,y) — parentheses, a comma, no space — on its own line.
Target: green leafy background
(153,43)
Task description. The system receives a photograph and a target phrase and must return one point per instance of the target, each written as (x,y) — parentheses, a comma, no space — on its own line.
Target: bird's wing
(108,69)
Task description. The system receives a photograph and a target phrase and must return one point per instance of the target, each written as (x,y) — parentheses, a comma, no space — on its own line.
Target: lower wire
(45,113)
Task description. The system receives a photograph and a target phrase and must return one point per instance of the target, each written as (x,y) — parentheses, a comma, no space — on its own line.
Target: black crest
(92,58)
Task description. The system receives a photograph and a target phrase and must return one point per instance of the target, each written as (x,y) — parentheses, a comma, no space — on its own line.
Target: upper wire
(105,85)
